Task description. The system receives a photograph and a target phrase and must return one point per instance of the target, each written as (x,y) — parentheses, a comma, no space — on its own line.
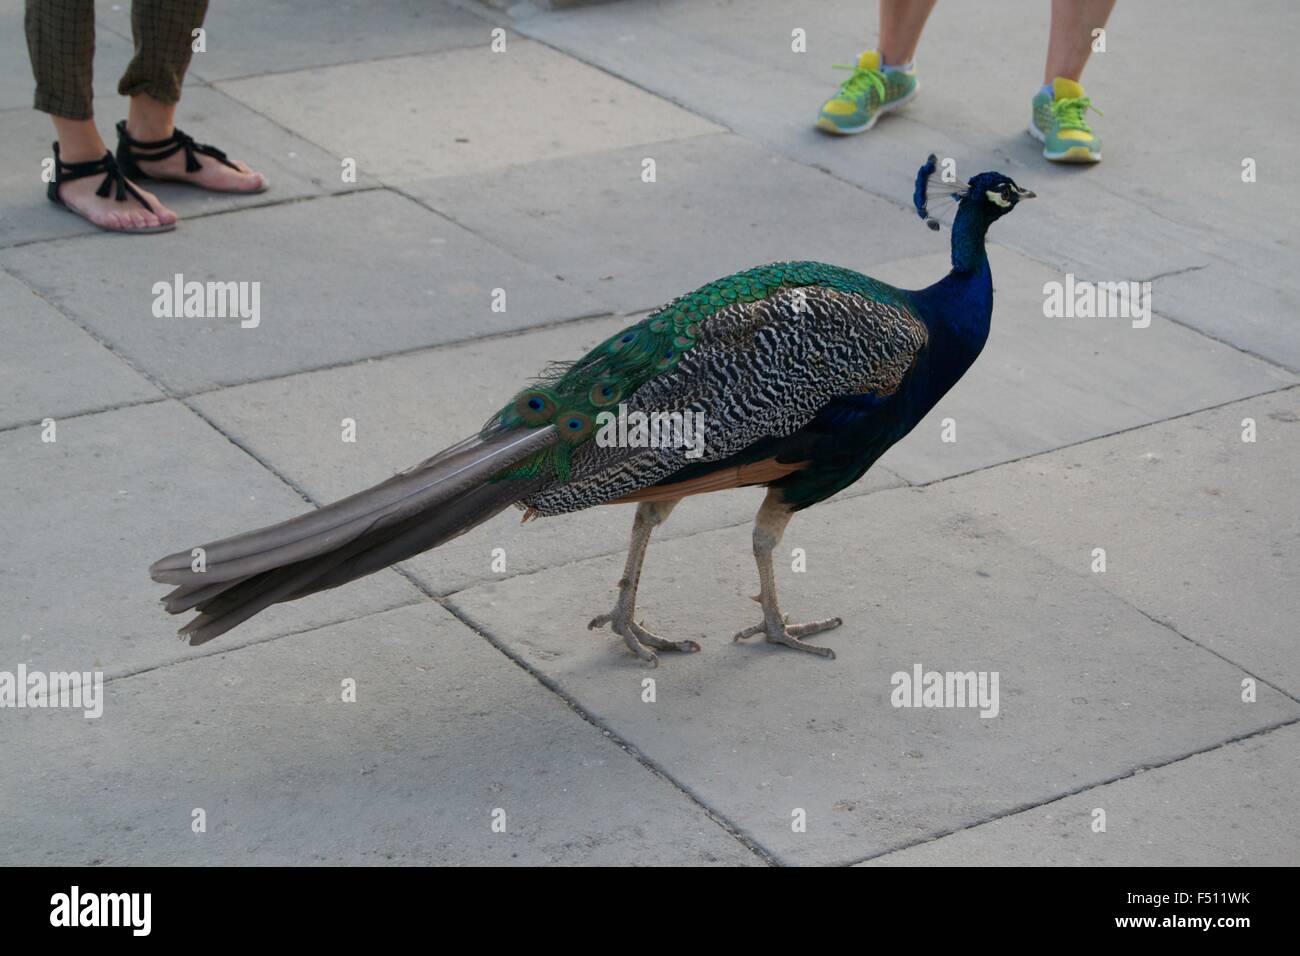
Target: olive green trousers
(61,42)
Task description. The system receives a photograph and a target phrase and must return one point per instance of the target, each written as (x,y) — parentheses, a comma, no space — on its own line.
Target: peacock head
(991,195)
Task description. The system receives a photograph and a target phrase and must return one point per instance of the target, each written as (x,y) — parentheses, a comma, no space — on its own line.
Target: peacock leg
(769,526)
(649,514)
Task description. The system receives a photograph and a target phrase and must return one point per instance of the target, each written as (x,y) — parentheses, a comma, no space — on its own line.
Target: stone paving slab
(49,367)
(294,167)
(1200,528)
(1234,806)
(464,111)
(406,407)
(1041,383)
(444,731)
(341,279)
(85,516)
(718,204)
(1089,687)
(252,36)
(1149,209)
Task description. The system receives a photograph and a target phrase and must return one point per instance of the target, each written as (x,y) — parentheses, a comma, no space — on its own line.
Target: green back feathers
(571,395)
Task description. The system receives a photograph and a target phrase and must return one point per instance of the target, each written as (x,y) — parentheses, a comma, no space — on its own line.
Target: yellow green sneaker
(865,96)
(1057,122)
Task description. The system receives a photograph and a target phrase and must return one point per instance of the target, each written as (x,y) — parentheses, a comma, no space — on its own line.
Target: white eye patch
(996,198)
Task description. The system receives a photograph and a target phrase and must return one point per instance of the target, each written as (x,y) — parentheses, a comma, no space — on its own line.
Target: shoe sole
(829,125)
(1075,154)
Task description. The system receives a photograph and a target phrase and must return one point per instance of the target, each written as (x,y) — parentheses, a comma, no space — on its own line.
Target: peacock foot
(638,639)
(779,630)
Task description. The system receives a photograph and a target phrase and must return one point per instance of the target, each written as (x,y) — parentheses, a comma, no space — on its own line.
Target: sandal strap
(106,165)
(170,146)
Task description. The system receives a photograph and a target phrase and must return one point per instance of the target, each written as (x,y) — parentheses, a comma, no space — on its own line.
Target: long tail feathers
(411,512)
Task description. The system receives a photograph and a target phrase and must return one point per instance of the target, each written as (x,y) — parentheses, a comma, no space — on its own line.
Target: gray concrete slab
(1045,382)
(84,517)
(1151,208)
(341,279)
(294,167)
(444,731)
(406,407)
(251,37)
(50,367)
(1233,806)
(1197,527)
(1089,687)
(718,204)
(462,111)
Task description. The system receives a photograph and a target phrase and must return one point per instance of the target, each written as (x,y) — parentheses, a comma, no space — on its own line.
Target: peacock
(802,374)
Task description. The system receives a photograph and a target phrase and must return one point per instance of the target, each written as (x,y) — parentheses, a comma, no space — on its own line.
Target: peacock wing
(756,371)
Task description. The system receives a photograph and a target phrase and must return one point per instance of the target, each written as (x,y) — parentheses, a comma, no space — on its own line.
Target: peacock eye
(1006,192)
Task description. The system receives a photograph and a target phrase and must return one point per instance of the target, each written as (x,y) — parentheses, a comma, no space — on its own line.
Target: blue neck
(968,231)
(958,308)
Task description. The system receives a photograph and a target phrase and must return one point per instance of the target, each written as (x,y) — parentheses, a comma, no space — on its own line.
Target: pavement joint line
(95,336)
(1170,317)
(546,682)
(378,58)
(1191,640)
(786,154)
(272,120)
(1084,788)
(212,213)
(921,486)
(33,422)
(400,353)
(622,550)
(738,834)
(754,847)
(218,650)
(1119,431)
(1174,272)
(793,156)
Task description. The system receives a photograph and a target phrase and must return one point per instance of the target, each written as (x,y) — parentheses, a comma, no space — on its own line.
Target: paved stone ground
(1159,694)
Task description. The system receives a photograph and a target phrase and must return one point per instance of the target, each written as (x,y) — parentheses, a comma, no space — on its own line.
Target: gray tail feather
(367,554)
(412,512)
(439,479)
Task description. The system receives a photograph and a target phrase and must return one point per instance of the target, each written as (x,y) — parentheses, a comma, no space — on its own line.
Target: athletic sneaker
(1058,123)
(865,96)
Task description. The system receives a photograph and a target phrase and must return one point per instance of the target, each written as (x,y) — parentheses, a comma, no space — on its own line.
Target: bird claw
(781,631)
(639,640)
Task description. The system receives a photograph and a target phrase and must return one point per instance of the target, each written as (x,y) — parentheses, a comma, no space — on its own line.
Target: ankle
(79,140)
(149,131)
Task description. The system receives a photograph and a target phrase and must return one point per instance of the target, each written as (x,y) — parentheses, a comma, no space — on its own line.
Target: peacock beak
(1026,193)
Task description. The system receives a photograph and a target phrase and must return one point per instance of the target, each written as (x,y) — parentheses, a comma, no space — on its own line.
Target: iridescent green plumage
(573,394)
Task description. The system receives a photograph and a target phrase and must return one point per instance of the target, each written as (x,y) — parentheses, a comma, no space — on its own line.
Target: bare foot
(107,213)
(213,174)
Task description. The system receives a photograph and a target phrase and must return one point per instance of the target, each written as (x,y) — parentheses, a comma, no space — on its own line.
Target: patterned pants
(61,41)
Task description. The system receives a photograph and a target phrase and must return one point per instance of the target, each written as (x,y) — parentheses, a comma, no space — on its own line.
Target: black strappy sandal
(113,180)
(162,148)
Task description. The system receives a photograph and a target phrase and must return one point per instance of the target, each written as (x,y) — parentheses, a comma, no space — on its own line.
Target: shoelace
(114,181)
(192,165)
(861,81)
(1069,112)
